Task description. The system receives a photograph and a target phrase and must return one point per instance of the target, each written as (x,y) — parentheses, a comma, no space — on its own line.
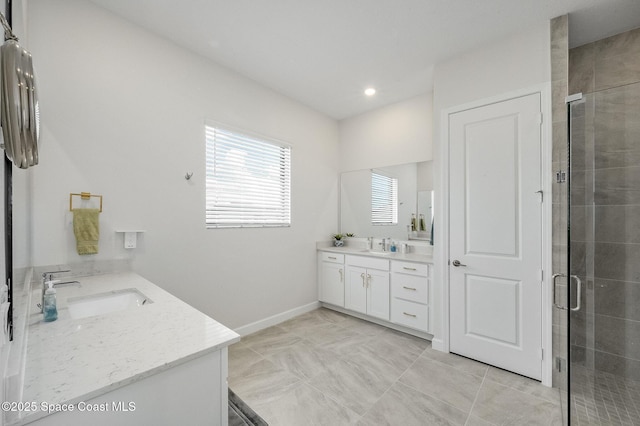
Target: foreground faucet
(48,276)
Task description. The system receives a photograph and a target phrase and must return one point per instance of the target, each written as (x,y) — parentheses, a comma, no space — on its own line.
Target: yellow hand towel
(86,227)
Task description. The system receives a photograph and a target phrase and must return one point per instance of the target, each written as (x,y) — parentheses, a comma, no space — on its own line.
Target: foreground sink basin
(104,303)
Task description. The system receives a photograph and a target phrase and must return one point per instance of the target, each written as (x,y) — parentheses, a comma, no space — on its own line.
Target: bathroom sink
(379,253)
(104,303)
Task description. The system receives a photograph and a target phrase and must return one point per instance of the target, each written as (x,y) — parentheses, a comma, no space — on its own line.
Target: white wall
(518,62)
(396,134)
(122,116)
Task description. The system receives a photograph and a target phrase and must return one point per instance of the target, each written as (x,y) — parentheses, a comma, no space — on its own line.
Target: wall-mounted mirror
(367,201)
(424,215)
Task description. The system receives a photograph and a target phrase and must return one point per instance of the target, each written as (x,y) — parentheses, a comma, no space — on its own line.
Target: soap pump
(50,309)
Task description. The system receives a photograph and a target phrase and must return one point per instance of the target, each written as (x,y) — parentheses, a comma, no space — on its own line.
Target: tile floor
(600,398)
(327,368)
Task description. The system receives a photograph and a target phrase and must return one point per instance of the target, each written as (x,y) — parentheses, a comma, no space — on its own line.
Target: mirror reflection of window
(384,199)
(356,203)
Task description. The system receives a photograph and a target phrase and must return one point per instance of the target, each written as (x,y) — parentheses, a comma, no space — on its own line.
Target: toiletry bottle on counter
(50,305)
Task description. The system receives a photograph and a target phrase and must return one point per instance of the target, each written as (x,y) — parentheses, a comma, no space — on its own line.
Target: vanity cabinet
(393,290)
(367,286)
(332,278)
(410,295)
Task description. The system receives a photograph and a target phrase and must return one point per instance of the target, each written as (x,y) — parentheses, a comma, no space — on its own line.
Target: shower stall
(598,288)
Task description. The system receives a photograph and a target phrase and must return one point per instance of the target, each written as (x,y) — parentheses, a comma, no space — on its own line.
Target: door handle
(554,291)
(457,263)
(578,293)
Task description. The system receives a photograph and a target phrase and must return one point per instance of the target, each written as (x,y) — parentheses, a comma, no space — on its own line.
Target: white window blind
(248,181)
(384,199)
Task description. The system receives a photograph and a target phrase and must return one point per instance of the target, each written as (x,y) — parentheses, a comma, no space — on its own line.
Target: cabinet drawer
(410,268)
(410,287)
(332,257)
(368,262)
(410,314)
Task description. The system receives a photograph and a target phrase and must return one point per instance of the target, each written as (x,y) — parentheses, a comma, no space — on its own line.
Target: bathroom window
(384,199)
(248,180)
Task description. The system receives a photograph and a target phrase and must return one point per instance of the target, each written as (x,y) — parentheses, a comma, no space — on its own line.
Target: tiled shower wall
(605,219)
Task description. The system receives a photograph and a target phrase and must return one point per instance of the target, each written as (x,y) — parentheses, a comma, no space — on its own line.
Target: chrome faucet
(48,276)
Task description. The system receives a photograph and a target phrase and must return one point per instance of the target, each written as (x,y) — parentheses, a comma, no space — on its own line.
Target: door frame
(442,232)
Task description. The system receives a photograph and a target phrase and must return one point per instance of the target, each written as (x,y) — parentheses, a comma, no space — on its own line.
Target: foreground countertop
(406,257)
(72,360)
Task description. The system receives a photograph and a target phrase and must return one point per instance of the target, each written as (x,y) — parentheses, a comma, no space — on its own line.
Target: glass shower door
(580,261)
(603,258)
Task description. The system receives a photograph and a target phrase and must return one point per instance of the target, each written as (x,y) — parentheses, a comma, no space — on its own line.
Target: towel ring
(83,196)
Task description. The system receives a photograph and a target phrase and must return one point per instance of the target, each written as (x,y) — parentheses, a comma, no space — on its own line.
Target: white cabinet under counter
(410,289)
(331,278)
(390,289)
(367,286)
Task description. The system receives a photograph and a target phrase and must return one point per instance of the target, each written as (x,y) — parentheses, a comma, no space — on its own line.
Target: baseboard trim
(276,319)
(438,345)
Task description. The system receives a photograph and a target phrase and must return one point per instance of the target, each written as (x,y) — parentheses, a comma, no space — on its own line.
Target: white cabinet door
(496,230)
(378,294)
(332,283)
(355,297)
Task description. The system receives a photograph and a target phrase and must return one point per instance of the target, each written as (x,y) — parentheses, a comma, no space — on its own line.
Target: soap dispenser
(50,308)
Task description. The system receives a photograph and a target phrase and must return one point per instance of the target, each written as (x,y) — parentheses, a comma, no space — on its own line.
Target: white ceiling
(324,53)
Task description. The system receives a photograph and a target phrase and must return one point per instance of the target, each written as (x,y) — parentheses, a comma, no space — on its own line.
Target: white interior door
(495,219)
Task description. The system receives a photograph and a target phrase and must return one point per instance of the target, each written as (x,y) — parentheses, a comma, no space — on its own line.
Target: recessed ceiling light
(370,91)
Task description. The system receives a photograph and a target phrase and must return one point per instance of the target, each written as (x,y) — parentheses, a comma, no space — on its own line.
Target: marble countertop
(359,251)
(72,360)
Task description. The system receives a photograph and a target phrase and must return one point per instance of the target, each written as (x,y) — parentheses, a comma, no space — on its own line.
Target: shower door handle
(554,291)
(578,293)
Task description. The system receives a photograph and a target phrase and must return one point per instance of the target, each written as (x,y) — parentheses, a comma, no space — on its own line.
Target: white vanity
(160,362)
(391,289)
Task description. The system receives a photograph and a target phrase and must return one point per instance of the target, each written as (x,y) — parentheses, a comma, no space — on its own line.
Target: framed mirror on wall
(388,201)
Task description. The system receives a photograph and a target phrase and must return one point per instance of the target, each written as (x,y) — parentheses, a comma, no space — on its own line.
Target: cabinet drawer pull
(409,315)
(409,288)
(341,276)
(362,276)
(409,269)
(333,257)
